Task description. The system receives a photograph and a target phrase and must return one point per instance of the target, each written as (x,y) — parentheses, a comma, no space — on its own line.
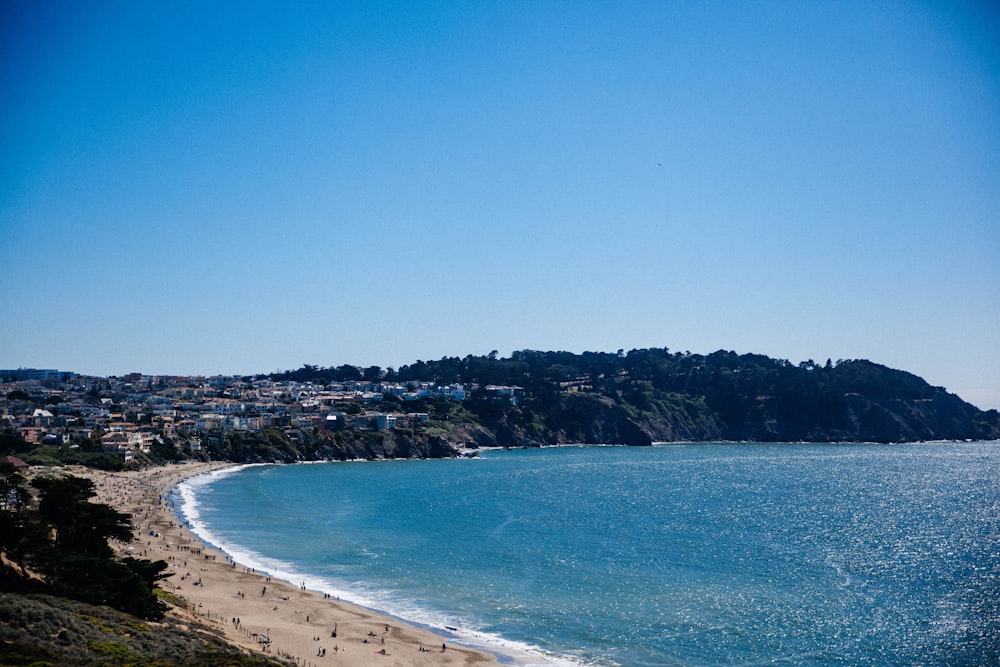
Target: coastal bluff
(654,395)
(455,406)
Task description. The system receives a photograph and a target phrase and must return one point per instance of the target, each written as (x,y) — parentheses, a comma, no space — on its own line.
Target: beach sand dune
(256,612)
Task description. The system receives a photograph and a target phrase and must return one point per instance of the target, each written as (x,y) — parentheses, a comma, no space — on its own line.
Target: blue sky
(247,187)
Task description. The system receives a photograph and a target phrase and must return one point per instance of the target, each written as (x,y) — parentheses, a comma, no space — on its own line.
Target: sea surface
(698,554)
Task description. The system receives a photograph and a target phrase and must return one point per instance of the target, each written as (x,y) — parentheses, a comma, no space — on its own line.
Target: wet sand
(256,612)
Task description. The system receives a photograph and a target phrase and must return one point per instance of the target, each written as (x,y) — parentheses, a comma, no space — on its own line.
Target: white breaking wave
(394,605)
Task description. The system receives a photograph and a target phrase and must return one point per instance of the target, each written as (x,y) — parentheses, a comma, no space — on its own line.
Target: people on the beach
(151,522)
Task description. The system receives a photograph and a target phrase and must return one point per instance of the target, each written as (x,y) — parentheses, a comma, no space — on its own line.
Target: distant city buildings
(15,374)
(131,413)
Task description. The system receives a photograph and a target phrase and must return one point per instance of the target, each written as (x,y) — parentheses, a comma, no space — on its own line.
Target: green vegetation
(65,599)
(55,455)
(654,394)
(531,398)
(59,545)
(47,630)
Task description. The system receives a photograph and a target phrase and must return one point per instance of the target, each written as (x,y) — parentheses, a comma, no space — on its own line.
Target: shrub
(113,650)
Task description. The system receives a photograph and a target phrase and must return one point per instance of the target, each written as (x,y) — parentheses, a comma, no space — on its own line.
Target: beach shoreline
(258,613)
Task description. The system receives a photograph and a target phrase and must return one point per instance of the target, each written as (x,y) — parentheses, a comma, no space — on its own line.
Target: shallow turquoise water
(673,555)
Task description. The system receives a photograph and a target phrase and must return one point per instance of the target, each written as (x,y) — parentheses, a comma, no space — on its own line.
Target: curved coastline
(185,505)
(256,611)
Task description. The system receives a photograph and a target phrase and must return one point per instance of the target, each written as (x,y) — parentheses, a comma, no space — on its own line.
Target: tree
(14,495)
(18,395)
(80,526)
(66,541)
(346,373)
(12,444)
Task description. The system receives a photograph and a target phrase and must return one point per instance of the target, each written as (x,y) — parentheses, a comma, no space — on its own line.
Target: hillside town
(132,413)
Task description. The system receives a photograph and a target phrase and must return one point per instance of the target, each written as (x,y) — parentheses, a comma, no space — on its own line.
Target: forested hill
(655,395)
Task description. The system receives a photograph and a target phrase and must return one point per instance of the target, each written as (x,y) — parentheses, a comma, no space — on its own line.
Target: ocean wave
(184,497)
(405,609)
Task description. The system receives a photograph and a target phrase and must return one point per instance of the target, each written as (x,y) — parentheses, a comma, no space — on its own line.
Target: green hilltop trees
(592,396)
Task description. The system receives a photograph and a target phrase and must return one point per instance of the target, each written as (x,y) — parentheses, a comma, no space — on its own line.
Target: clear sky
(202,188)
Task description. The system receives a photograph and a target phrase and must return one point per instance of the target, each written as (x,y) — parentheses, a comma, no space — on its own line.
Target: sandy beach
(256,612)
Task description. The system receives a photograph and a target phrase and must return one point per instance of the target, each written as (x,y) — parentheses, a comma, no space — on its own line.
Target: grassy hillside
(45,630)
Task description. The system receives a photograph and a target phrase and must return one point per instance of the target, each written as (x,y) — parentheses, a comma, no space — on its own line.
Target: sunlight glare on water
(672,555)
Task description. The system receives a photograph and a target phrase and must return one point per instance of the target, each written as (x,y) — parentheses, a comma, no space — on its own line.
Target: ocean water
(701,554)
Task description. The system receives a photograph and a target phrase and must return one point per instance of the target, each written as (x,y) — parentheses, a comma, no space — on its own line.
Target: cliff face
(740,401)
(944,416)
(641,418)
(385,445)
(654,395)
(275,446)
(754,398)
(860,419)
(610,426)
